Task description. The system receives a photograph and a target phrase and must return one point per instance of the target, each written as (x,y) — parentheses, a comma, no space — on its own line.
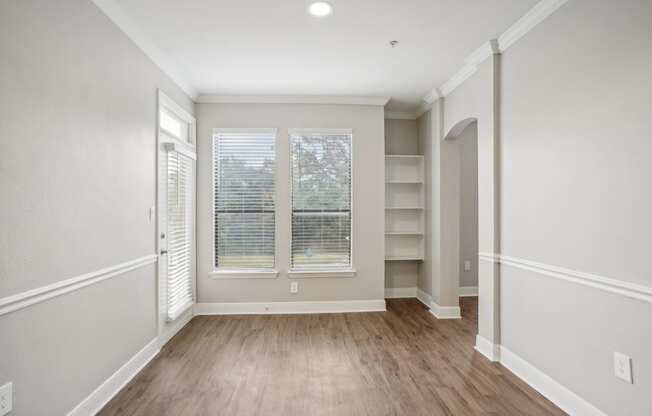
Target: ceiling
(265,47)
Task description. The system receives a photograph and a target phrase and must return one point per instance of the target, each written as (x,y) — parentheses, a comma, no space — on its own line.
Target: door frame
(165,330)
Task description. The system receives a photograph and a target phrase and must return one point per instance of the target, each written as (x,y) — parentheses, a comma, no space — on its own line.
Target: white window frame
(306,272)
(244,273)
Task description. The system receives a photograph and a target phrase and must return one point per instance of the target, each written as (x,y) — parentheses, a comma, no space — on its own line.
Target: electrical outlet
(6,399)
(294,287)
(623,367)
(467,265)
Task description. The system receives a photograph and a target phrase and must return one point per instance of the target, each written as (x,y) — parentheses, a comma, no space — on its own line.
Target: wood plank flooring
(400,362)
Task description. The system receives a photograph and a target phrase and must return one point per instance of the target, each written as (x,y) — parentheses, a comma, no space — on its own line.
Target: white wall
(576,181)
(367,123)
(575,169)
(77,173)
(401,139)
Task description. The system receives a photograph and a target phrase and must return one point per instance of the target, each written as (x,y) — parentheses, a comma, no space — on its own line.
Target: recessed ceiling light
(320,9)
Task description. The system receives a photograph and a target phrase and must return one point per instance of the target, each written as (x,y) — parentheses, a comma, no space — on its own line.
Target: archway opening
(460,212)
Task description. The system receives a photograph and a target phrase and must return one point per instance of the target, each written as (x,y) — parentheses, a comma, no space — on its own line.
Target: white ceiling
(273,47)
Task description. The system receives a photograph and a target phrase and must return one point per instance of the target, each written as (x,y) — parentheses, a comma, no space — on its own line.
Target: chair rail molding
(608,284)
(33,296)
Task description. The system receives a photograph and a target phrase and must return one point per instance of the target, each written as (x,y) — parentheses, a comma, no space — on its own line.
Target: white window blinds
(321,199)
(179,233)
(244,198)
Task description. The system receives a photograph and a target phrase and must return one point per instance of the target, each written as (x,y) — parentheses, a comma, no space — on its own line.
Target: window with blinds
(244,198)
(179,233)
(321,199)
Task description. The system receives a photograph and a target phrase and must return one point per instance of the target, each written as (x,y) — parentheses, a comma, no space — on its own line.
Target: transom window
(244,171)
(321,199)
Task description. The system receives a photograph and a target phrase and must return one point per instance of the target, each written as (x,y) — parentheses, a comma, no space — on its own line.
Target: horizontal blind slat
(179,233)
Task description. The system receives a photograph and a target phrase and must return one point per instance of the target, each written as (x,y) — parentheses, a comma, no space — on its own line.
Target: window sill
(243,274)
(300,274)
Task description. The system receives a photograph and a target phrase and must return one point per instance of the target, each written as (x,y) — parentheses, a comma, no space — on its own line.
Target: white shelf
(404,168)
(420,157)
(405,208)
(402,258)
(404,182)
(404,204)
(404,233)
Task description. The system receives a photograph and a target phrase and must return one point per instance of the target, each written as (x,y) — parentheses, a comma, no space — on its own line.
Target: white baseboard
(554,391)
(424,297)
(487,348)
(400,292)
(175,327)
(466,291)
(267,308)
(445,312)
(105,392)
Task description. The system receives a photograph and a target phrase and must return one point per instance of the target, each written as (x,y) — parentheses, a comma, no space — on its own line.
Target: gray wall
(468,148)
(77,173)
(576,193)
(367,123)
(401,139)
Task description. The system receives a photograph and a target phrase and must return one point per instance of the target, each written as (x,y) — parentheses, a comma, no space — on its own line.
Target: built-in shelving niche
(404,208)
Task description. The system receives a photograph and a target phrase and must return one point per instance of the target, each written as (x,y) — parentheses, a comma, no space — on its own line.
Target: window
(321,199)
(173,125)
(244,198)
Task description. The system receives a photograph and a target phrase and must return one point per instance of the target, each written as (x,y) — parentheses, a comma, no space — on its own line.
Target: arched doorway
(453,139)
(459,187)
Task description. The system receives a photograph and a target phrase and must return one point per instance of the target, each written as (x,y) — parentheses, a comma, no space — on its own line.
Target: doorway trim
(165,329)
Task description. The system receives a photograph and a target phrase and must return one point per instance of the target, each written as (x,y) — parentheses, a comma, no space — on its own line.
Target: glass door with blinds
(176,206)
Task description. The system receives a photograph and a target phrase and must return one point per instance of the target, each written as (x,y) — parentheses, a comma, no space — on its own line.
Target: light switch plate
(152,214)
(623,367)
(6,399)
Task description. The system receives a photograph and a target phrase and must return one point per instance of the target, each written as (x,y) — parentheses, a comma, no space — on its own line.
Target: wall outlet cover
(6,399)
(467,265)
(623,367)
(294,287)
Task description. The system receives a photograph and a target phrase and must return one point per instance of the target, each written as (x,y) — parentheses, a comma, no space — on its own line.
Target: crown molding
(526,23)
(458,79)
(470,67)
(291,99)
(130,28)
(423,108)
(529,21)
(483,52)
(432,96)
(398,115)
